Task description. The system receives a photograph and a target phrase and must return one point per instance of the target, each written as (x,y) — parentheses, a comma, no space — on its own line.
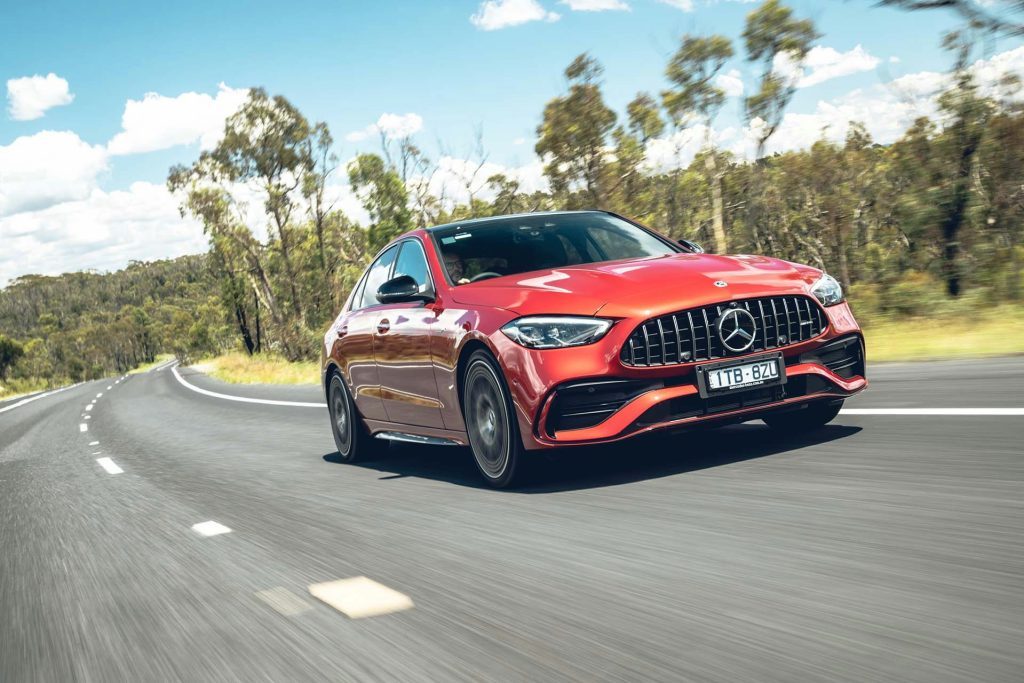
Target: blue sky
(347,63)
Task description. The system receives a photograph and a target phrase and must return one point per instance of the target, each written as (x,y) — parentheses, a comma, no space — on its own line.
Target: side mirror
(401,289)
(692,246)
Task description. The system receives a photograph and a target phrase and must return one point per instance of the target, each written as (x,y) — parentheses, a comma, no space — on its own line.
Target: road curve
(151,532)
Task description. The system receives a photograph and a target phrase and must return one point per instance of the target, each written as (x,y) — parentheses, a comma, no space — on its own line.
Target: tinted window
(413,262)
(522,244)
(377,275)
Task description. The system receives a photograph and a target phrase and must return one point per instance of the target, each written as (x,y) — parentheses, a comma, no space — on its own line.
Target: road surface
(884,547)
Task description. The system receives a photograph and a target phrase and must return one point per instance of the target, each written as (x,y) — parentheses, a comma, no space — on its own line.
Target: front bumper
(587,396)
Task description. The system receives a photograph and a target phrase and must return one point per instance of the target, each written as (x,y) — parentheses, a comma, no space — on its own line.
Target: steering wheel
(486,275)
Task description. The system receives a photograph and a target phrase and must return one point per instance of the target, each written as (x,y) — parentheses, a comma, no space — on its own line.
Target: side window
(377,275)
(413,262)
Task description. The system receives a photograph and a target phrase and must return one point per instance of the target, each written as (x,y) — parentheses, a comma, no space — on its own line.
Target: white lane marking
(89,407)
(284,601)
(210,528)
(109,465)
(83,427)
(94,443)
(243,399)
(87,417)
(975,412)
(109,388)
(98,453)
(36,397)
(360,597)
(99,395)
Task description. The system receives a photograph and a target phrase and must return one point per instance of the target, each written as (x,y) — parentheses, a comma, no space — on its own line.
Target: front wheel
(490,421)
(814,416)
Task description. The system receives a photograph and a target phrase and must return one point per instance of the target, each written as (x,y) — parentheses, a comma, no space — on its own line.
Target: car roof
(511,216)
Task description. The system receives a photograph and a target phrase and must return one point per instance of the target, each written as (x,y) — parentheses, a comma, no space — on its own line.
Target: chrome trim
(416,438)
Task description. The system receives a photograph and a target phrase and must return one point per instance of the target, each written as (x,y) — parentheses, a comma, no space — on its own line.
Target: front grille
(692,335)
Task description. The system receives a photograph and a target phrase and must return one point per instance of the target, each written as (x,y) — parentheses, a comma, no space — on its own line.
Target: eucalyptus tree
(695,96)
(573,136)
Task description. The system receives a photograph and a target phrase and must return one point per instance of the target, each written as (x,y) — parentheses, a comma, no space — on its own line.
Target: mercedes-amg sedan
(521,333)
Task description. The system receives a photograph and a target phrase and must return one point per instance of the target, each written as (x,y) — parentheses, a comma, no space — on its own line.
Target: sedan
(518,334)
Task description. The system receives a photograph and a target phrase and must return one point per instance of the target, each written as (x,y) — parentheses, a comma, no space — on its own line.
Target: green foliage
(10,352)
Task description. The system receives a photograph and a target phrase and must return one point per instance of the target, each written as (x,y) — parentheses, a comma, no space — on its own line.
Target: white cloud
(685,5)
(393,126)
(497,14)
(823,64)
(455,178)
(595,5)
(158,122)
(731,83)
(49,167)
(29,97)
(103,231)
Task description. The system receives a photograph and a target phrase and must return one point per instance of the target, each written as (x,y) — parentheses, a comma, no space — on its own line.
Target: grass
(241,368)
(19,387)
(994,332)
(160,359)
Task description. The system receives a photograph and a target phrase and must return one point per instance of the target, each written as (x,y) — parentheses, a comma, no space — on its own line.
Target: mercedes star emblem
(737,329)
(721,283)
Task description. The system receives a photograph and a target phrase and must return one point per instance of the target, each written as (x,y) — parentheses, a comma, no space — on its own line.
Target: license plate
(721,377)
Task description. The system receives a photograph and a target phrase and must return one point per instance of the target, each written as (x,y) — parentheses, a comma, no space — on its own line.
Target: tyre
(351,437)
(490,421)
(814,416)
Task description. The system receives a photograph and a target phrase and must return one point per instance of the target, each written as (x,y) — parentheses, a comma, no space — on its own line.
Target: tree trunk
(717,211)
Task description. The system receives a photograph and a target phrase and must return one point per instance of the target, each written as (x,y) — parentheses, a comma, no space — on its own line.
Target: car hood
(644,287)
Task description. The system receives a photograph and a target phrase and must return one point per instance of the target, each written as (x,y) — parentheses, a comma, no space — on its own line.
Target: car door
(401,347)
(356,333)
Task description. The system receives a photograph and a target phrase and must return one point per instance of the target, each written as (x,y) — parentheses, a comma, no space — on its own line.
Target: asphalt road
(884,547)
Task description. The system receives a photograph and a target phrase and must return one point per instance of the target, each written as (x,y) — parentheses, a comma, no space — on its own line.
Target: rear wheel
(351,437)
(814,416)
(490,421)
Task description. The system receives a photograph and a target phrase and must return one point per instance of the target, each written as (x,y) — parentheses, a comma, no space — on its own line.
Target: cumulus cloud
(731,83)
(104,231)
(595,5)
(823,64)
(49,167)
(392,126)
(28,98)
(497,14)
(454,179)
(157,121)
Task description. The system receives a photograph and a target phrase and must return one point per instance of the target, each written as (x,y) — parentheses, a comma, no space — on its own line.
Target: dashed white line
(99,395)
(87,417)
(94,443)
(360,597)
(109,388)
(83,427)
(210,528)
(973,412)
(89,407)
(243,399)
(109,465)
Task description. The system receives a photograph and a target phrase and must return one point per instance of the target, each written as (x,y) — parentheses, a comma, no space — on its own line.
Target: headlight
(555,332)
(827,290)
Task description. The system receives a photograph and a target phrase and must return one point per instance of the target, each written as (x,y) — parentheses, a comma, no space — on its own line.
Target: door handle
(383,326)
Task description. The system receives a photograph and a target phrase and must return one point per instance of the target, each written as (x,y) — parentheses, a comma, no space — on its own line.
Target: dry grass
(162,358)
(21,387)
(240,368)
(996,332)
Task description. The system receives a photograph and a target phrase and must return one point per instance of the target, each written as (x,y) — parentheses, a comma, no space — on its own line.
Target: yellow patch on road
(360,597)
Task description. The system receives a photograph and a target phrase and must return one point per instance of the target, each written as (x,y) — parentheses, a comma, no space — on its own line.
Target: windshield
(521,244)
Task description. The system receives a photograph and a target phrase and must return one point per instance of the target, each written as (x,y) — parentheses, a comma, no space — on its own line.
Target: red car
(522,333)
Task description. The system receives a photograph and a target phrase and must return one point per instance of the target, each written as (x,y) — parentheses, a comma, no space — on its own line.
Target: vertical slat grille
(688,336)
